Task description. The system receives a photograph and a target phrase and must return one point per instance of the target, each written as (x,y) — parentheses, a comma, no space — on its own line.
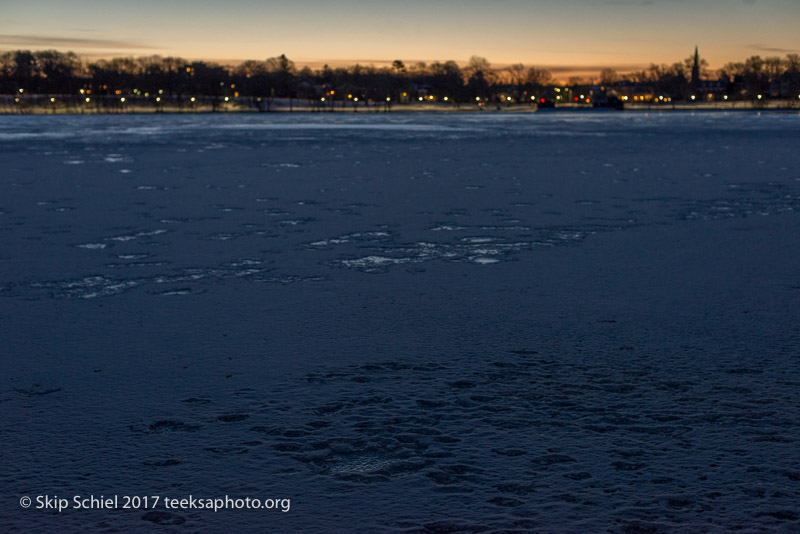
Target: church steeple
(696,69)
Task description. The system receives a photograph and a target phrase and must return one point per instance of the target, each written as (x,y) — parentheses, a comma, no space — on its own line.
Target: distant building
(713,89)
(706,89)
(634,92)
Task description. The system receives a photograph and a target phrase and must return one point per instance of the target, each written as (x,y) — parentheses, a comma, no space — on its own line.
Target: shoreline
(282,107)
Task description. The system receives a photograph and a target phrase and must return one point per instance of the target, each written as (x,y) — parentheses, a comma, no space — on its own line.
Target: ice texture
(556,322)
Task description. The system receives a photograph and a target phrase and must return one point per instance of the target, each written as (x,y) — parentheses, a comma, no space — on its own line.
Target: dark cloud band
(42,41)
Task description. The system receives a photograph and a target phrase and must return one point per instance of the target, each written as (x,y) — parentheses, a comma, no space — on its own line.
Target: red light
(576,99)
(542,100)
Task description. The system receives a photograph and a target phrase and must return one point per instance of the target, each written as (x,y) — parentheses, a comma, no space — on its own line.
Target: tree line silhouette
(157,80)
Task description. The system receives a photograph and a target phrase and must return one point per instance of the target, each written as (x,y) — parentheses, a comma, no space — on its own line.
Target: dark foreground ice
(403,323)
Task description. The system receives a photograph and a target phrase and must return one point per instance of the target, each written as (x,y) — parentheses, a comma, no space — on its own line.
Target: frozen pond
(551,322)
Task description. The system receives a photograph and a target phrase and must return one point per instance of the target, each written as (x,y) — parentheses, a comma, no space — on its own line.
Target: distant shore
(47,105)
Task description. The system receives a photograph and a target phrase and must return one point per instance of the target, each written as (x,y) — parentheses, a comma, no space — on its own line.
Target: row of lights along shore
(331,94)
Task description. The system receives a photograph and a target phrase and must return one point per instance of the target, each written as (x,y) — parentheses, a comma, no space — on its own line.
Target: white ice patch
(245,263)
(89,287)
(115,158)
(349,238)
(176,292)
(223,237)
(447,228)
(374,261)
(484,261)
(479,239)
(506,228)
(283,165)
(131,237)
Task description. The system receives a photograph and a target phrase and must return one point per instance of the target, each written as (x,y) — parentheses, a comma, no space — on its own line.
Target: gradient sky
(578,35)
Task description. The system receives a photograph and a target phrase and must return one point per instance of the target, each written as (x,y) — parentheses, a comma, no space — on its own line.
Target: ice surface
(405,323)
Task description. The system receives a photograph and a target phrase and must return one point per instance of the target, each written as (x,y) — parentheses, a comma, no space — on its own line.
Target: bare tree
(481,77)
(608,76)
(282,70)
(755,76)
(792,77)
(250,68)
(478,66)
(539,78)
(420,68)
(517,74)
(732,71)
(773,68)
